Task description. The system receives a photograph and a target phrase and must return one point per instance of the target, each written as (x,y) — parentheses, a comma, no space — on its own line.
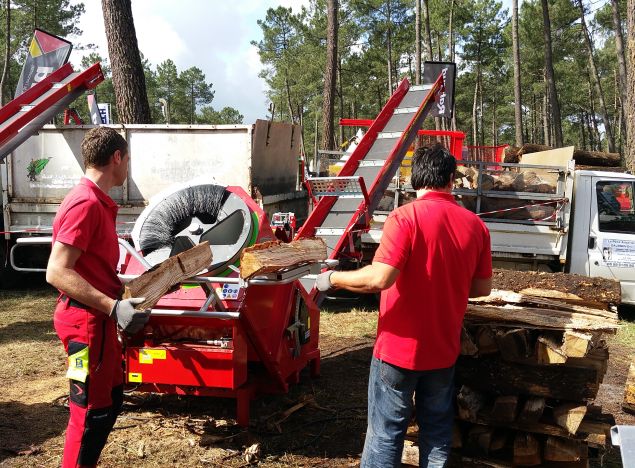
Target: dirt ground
(157,431)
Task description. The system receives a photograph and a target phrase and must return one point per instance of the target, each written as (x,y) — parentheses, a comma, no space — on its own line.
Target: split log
(601,290)
(628,404)
(526,450)
(549,352)
(575,344)
(469,403)
(563,450)
(486,341)
(410,454)
(276,256)
(569,416)
(154,283)
(480,438)
(494,375)
(541,318)
(532,410)
(581,157)
(513,344)
(468,348)
(504,409)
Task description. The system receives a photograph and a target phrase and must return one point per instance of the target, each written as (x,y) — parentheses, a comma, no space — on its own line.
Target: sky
(214,36)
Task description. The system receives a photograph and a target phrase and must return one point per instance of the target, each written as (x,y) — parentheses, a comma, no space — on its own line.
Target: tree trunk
(546,121)
(596,81)
(596,132)
(128,78)
(619,49)
(518,110)
(7,55)
(340,93)
(629,109)
(474,113)
(389,49)
(287,88)
(556,119)
(426,25)
(417,42)
(330,76)
(451,56)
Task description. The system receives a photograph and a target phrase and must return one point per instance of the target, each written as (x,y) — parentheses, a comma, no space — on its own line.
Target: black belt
(72,302)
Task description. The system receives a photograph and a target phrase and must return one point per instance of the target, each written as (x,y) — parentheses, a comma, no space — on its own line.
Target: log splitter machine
(218,335)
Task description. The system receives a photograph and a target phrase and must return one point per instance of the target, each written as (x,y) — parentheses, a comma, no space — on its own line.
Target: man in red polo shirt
(82,266)
(433,255)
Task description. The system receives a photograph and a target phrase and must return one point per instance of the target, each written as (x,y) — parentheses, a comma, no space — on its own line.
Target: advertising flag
(431,70)
(46,54)
(93,109)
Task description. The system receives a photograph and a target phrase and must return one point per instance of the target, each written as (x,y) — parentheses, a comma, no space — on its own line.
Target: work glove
(127,318)
(323,281)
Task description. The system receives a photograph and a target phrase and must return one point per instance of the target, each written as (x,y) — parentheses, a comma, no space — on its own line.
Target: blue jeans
(390,391)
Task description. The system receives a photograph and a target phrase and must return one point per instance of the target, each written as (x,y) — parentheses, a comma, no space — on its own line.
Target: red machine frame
(260,347)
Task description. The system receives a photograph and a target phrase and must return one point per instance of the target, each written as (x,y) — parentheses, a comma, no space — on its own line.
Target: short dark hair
(432,167)
(99,144)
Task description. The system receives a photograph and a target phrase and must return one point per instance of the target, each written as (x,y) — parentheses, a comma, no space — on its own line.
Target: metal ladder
(27,113)
(347,201)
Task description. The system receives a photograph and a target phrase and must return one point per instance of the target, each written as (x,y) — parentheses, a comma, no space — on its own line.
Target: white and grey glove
(129,319)
(323,281)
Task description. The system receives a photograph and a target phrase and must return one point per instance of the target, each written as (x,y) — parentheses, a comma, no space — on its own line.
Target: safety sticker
(228,291)
(134,377)
(78,365)
(147,356)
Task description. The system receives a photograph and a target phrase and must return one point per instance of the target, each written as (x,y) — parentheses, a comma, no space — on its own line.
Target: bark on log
(505,409)
(468,347)
(276,256)
(563,450)
(532,410)
(494,375)
(513,344)
(592,289)
(526,450)
(154,283)
(540,318)
(581,157)
(469,403)
(486,341)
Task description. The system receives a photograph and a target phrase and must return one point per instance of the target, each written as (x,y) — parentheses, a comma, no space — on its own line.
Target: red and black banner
(46,54)
(431,71)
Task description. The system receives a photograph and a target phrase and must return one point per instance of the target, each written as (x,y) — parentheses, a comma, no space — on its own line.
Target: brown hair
(99,144)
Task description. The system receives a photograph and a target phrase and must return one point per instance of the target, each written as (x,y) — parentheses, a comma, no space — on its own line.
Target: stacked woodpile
(514,180)
(533,355)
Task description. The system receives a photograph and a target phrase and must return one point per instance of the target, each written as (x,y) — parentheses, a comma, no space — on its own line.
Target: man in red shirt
(82,266)
(433,255)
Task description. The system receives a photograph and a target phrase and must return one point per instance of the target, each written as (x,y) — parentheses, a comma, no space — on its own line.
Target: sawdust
(168,430)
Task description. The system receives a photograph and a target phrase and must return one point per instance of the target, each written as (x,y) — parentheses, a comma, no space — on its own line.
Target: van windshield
(616,211)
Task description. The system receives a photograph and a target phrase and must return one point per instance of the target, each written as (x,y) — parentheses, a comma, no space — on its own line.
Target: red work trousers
(95,376)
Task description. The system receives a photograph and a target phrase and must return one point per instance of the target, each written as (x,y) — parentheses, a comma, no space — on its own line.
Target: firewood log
(275,256)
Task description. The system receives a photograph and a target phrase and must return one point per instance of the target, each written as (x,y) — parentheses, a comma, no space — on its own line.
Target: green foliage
(293,52)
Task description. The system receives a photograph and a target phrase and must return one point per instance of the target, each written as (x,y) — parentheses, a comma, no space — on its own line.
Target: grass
(358,323)
(626,335)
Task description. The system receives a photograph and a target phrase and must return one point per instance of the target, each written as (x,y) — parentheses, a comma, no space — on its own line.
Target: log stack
(591,159)
(533,356)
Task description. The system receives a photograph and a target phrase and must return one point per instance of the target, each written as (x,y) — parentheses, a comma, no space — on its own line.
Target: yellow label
(69,87)
(146,356)
(134,377)
(78,365)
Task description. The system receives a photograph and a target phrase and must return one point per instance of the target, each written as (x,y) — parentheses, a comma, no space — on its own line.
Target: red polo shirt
(438,247)
(86,219)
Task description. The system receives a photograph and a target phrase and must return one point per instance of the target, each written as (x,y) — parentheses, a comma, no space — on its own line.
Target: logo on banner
(46,54)
(431,71)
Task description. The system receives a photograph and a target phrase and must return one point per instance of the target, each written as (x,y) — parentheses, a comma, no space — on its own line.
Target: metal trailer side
(261,158)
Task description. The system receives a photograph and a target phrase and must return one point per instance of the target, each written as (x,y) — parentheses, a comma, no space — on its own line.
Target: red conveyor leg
(243,400)
(314,367)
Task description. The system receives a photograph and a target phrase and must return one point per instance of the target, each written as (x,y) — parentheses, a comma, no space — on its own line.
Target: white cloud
(213,36)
